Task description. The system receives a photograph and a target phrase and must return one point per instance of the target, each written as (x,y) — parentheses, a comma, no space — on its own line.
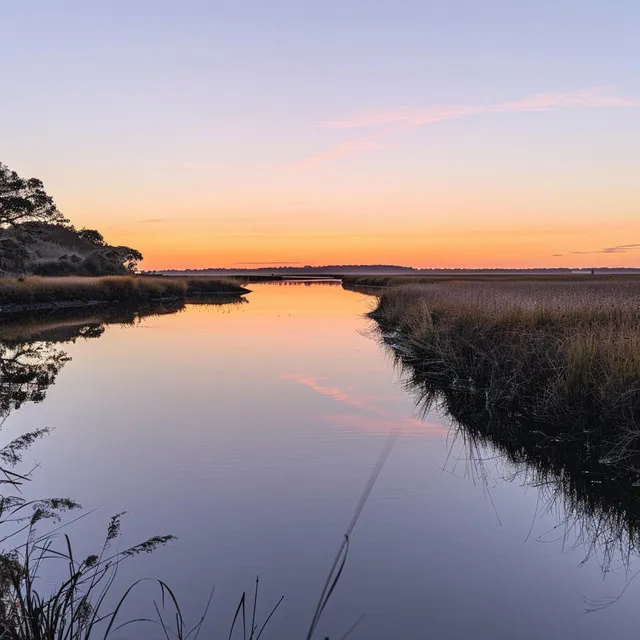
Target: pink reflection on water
(375,418)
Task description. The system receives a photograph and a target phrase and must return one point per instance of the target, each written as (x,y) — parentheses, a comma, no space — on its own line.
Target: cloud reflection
(372,418)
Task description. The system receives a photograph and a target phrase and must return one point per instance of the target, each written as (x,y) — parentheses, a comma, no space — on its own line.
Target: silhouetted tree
(124,257)
(25,200)
(93,236)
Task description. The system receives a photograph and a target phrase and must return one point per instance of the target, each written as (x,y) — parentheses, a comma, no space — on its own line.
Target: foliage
(25,200)
(93,236)
(36,238)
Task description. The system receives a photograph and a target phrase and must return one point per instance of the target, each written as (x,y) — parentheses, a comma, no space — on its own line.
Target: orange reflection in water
(287,337)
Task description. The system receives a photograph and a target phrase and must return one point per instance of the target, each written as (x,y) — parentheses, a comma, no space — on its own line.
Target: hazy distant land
(384,269)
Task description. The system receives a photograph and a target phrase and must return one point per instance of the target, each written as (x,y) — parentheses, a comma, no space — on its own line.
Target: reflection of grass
(564,354)
(63,325)
(37,290)
(599,505)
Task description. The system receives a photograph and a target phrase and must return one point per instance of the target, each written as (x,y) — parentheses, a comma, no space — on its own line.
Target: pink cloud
(397,120)
(403,117)
(576,99)
(365,143)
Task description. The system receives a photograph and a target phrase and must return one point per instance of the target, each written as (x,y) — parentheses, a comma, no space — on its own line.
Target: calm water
(249,431)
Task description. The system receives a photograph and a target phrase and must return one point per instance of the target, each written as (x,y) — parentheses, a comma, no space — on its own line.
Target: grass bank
(560,356)
(16,293)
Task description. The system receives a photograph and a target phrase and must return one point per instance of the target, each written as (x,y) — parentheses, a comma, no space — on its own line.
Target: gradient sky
(473,133)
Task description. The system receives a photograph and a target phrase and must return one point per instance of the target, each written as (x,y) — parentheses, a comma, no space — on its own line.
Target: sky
(219,133)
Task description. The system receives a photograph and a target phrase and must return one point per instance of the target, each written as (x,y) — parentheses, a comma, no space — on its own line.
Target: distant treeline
(353,269)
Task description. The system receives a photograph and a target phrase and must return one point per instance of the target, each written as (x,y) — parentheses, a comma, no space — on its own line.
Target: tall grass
(564,354)
(40,290)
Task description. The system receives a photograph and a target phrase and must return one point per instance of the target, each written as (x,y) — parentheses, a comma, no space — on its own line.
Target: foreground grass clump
(42,290)
(566,355)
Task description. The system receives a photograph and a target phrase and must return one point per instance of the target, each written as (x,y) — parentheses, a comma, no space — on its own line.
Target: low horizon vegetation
(395,280)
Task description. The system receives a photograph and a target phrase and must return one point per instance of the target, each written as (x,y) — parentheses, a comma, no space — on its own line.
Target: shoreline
(33,294)
(12,310)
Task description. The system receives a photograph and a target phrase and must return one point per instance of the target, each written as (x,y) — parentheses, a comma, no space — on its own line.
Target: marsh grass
(32,290)
(566,355)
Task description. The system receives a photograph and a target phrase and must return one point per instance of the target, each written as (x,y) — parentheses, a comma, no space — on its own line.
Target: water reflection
(31,356)
(597,507)
(250,435)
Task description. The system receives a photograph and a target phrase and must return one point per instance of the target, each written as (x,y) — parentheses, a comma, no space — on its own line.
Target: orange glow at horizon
(370,211)
(171,246)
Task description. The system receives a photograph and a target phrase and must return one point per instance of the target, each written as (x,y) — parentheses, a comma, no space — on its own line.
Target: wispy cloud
(268,263)
(383,124)
(153,220)
(404,116)
(620,248)
(363,143)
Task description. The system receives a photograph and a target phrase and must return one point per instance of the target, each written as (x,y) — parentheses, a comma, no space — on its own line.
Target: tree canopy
(25,200)
(93,236)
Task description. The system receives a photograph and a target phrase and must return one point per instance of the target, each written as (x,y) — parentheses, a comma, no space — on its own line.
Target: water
(249,431)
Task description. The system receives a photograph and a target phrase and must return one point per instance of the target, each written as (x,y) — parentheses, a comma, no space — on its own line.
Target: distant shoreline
(388,270)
